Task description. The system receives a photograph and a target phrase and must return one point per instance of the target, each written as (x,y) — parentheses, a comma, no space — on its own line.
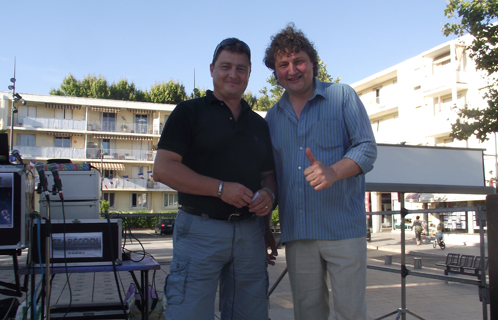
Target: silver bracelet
(220,187)
(271,192)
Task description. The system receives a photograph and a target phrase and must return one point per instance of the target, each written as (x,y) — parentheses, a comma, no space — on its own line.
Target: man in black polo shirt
(217,153)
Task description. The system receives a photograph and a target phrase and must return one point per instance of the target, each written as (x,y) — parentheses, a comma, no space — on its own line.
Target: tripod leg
(415,315)
(387,315)
(277,282)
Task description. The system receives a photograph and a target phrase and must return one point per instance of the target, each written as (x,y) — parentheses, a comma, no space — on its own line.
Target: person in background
(216,152)
(418,226)
(323,146)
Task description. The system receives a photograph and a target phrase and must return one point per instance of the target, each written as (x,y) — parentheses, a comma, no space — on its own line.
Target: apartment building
(413,103)
(118,138)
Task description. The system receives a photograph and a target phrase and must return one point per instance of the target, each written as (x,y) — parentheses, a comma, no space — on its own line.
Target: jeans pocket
(174,286)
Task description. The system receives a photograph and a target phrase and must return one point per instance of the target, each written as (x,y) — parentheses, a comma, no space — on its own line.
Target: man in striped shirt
(323,146)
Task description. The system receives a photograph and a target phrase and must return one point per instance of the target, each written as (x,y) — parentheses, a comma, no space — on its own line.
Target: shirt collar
(319,91)
(212,98)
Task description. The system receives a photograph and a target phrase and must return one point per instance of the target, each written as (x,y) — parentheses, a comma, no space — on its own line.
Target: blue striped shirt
(335,125)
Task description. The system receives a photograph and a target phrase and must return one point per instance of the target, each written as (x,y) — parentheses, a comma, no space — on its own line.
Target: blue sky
(154,41)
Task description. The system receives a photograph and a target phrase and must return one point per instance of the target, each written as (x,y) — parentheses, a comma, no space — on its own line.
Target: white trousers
(346,262)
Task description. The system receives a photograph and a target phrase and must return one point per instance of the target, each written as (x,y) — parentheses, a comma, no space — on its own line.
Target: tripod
(401,312)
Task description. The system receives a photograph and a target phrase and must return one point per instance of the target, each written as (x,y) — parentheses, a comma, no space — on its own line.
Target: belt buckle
(235,217)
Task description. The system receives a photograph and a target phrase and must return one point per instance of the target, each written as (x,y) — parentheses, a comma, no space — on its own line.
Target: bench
(476,267)
(461,264)
(452,260)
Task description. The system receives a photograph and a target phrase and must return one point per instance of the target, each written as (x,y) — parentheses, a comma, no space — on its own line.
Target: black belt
(234,217)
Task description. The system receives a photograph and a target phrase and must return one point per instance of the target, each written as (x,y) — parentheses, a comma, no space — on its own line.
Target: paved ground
(426,297)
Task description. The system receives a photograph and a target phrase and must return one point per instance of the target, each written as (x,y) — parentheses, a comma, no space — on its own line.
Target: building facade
(414,103)
(117,138)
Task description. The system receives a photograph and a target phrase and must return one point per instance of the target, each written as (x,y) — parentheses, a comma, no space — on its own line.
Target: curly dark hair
(290,40)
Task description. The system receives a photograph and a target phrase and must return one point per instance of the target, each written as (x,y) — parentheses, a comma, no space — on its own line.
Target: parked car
(164,226)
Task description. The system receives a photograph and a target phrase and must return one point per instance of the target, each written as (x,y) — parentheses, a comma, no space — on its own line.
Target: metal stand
(277,282)
(401,312)
(16,289)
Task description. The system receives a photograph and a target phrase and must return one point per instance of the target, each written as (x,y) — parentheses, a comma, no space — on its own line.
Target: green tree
(126,91)
(264,103)
(97,87)
(478,18)
(197,93)
(251,99)
(167,92)
(104,206)
(70,86)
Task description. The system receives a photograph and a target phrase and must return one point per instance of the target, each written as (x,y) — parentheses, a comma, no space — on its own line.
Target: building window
(108,173)
(108,121)
(141,123)
(170,200)
(64,114)
(106,146)
(62,142)
(26,140)
(441,63)
(139,200)
(377,95)
(25,112)
(109,197)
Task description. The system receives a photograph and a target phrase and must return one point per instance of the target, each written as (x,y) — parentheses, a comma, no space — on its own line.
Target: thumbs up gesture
(317,174)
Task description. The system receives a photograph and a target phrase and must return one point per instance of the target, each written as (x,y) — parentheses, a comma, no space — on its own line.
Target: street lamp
(16,97)
(102,154)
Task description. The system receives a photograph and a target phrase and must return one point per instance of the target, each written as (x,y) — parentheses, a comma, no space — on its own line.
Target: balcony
(82,154)
(133,184)
(442,82)
(121,154)
(380,106)
(50,152)
(47,123)
(110,126)
(439,125)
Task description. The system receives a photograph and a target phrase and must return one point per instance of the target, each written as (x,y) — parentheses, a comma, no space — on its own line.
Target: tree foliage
(251,99)
(97,87)
(167,92)
(478,18)
(197,93)
(267,100)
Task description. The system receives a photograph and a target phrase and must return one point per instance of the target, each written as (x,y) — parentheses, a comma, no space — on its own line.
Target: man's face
(230,74)
(295,73)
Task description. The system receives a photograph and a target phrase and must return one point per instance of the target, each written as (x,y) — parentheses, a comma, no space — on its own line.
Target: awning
(64,134)
(105,109)
(61,106)
(143,111)
(108,165)
(116,137)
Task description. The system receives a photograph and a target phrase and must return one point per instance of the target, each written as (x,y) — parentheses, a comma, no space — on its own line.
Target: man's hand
(319,175)
(270,243)
(262,203)
(236,194)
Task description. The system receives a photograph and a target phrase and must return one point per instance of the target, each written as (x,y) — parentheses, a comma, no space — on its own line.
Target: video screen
(6,200)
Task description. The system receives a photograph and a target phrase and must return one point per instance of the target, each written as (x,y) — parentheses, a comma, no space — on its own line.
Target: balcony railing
(121,183)
(50,152)
(63,124)
(120,154)
(104,126)
(80,153)
(110,126)
(445,78)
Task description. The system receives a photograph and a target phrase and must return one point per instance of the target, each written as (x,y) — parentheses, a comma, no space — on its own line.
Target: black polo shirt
(204,132)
